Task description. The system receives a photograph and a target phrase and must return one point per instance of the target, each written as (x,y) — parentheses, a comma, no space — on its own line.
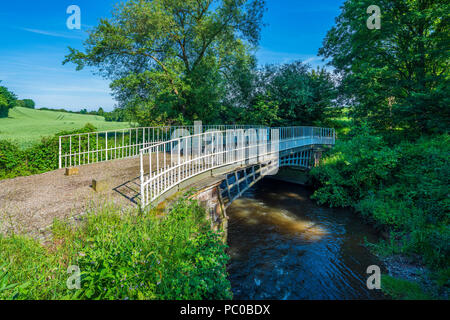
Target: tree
(396,78)
(7,101)
(28,103)
(301,96)
(169,59)
(20,104)
(101,112)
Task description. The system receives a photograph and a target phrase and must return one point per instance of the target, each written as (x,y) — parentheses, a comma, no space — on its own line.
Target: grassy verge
(121,255)
(401,289)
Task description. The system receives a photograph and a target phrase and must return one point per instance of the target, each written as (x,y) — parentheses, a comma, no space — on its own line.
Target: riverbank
(402,190)
(409,279)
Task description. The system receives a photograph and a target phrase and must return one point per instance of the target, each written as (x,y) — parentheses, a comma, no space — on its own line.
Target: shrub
(39,158)
(10,155)
(352,169)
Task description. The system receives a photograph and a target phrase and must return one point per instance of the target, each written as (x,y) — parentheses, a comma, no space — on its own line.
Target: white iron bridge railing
(87,148)
(166,164)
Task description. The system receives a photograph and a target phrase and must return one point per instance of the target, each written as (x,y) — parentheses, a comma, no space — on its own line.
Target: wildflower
(82,254)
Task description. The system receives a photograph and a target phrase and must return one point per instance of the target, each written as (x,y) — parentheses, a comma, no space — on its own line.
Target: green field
(27,126)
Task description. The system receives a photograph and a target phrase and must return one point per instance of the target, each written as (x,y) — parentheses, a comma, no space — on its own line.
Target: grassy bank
(121,255)
(28,126)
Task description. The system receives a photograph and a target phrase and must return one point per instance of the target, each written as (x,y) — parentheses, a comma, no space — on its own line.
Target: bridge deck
(28,204)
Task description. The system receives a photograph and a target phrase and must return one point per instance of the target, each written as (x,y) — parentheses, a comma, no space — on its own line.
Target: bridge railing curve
(92,147)
(169,163)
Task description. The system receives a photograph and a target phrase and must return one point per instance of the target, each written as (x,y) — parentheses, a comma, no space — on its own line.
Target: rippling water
(284,246)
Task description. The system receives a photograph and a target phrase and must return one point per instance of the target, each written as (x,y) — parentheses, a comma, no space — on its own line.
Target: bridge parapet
(173,162)
(87,148)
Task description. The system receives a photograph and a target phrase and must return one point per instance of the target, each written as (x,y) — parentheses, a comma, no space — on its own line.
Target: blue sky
(34,41)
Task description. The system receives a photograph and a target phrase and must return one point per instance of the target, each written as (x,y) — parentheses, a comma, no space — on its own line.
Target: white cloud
(53,34)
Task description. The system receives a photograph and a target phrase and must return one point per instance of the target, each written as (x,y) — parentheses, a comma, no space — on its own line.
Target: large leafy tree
(7,101)
(169,59)
(396,78)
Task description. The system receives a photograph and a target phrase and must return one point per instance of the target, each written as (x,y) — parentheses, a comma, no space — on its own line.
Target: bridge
(171,157)
(145,166)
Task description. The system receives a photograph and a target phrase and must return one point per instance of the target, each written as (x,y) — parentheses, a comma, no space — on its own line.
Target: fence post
(142,179)
(106,136)
(60,153)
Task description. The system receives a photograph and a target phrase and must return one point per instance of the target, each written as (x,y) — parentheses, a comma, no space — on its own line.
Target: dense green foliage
(395,77)
(29,103)
(174,62)
(121,255)
(401,188)
(7,101)
(393,166)
(284,95)
(170,60)
(25,103)
(40,157)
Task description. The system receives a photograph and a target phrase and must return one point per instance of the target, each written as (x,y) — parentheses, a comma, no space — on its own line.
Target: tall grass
(121,255)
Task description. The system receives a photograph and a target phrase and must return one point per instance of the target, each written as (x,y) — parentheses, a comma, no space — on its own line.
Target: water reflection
(253,212)
(284,246)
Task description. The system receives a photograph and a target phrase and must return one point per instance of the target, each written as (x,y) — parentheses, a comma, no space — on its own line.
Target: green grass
(122,254)
(28,126)
(401,289)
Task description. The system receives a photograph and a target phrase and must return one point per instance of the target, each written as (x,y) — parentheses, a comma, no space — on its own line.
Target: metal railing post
(143,202)
(60,153)
(106,136)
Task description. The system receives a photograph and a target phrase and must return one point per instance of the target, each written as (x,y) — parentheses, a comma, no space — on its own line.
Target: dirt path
(30,204)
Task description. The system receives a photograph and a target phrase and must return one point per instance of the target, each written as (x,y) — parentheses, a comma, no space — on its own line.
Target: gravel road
(30,204)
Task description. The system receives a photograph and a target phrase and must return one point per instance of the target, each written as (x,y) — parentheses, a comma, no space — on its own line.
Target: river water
(285,246)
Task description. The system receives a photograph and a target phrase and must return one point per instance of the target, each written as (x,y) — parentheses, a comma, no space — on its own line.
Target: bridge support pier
(317,155)
(211,200)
